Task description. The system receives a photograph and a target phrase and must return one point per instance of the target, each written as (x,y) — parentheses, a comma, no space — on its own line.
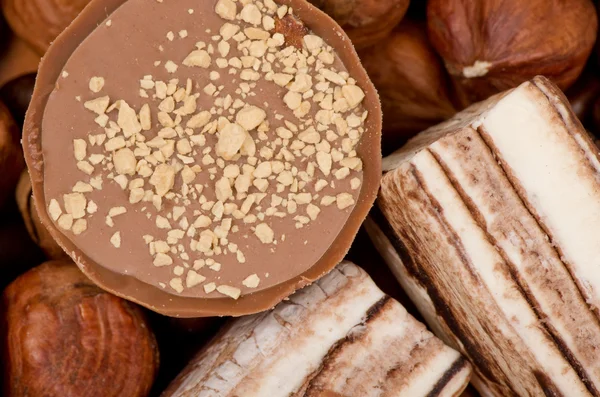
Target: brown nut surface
(66,337)
(38,232)
(493,45)
(11,155)
(16,94)
(17,59)
(365,21)
(38,22)
(412,84)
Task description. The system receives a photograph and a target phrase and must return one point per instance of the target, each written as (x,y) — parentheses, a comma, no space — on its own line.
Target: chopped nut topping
(96,84)
(226,9)
(251,117)
(98,105)
(264,233)
(65,221)
(54,210)
(116,240)
(193,279)
(176,284)
(79,226)
(210,287)
(229,291)
(230,142)
(211,163)
(251,281)
(80,149)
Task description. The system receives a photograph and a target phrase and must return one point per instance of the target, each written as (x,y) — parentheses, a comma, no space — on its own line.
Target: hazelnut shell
(365,21)
(16,94)
(490,46)
(412,84)
(66,337)
(38,22)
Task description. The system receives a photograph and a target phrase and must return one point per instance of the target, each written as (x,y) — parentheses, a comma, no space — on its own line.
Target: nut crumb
(79,226)
(193,279)
(210,287)
(54,210)
(251,281)
(264,233)
(65,221)
(115,240)
(227,290)
(176,284)
(96,84)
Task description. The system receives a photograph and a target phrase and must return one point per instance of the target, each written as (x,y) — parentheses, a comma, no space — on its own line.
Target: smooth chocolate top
(138,203)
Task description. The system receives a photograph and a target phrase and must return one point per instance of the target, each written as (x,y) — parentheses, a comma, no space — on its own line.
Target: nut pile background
(428,61)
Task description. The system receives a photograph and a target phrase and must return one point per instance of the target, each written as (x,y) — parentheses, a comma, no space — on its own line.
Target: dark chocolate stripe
(375,310)
(439,215)
(522,287)
(454,369)
(442,309)
(313,390)
(507,381)
(549,388)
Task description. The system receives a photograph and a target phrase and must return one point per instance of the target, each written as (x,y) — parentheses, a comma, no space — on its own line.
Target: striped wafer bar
(491,222)
(341,336)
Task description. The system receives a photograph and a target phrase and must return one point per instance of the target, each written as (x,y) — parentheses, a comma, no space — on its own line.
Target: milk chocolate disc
(203,158)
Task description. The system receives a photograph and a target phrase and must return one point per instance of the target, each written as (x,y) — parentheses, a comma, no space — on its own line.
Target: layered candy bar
(339,337)
(491,223)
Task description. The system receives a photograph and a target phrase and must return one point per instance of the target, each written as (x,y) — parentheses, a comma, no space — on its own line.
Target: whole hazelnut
(489,46)
(39,22)
(411,81)
(12,162)
(66,337)
(16,94)
(365,21)
(37,231)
